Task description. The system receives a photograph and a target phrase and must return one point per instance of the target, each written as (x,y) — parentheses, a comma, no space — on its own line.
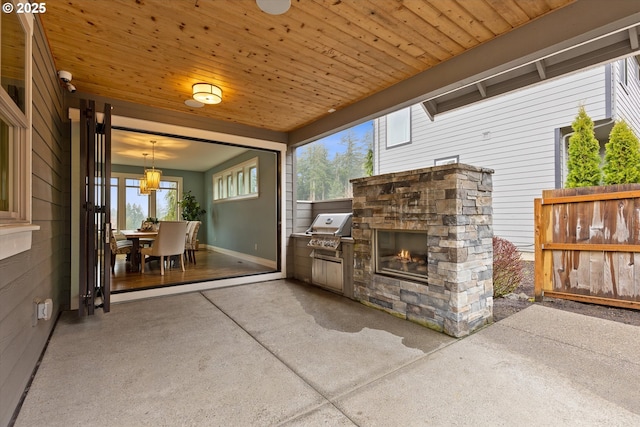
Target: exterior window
(399,127)
(15,143)
(246,181)
(15,133)
(624,72)
(6,166)
(12,58)
(446,160)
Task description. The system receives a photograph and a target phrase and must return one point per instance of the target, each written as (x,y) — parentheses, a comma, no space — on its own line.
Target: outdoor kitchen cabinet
(304,266)
(326,271)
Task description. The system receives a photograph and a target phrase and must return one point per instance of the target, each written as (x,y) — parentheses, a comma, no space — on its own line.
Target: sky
(332,142)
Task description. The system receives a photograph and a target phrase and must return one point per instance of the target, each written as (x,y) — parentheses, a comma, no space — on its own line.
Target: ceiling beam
(570,26)
(176,118)
(633,38)
(542,70)
(482,88)
(430,108)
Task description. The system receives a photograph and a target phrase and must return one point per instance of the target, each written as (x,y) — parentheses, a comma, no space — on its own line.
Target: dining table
(135,236)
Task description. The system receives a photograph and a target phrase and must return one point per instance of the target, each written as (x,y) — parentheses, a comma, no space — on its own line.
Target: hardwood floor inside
(209,266)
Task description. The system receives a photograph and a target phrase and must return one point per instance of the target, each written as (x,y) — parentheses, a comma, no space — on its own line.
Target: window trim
(16,226)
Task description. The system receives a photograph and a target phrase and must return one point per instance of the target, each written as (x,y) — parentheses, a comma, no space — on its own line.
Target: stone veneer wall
(452,203)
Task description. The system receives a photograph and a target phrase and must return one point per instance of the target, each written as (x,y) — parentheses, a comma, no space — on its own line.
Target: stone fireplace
(423,246)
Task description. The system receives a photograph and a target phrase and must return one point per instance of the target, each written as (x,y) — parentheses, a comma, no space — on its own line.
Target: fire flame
(404,255)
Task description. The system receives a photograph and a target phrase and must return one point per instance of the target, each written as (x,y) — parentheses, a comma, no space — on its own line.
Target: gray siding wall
(307,211)
(289,186)
(42,272)
(512,134)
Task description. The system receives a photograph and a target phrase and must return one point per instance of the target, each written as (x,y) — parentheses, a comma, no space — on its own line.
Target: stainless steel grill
(326,233)
(328,229)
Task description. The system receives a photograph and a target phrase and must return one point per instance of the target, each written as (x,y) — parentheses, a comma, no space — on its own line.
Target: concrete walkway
(284,353)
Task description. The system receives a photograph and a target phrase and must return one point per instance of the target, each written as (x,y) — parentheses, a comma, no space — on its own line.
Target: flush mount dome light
(274,7)
(207,93)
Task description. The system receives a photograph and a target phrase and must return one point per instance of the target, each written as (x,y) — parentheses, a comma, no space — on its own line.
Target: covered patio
(287,80)
(285,353)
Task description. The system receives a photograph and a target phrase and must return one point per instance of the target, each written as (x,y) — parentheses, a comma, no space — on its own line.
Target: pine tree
(622,156)
(584,154)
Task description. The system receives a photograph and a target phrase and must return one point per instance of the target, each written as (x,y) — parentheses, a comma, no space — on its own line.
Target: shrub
(622,156)
(583,163)
(507,267)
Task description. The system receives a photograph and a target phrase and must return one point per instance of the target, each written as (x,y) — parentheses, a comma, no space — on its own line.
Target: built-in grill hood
(328,229)
(334,224)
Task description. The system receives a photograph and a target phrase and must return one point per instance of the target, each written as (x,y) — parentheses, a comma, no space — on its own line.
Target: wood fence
(587,243)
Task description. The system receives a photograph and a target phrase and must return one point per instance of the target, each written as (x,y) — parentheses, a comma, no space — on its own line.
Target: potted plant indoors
(191,210)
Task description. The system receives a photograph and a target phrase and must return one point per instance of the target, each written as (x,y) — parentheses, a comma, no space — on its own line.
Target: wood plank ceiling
(276,72)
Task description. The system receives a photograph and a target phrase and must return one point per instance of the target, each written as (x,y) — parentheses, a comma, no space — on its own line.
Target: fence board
(626,288)
(596,276)
(586,245)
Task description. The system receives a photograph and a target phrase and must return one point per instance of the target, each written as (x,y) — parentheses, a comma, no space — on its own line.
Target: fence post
(538,272)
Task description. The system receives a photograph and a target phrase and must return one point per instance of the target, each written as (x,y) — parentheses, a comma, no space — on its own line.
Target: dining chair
(119,245)
(192,240)
(170,241)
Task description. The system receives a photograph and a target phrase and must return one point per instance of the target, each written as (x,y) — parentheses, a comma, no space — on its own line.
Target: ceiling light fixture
(153,175)
(274,7)
(207,93)
(144,190)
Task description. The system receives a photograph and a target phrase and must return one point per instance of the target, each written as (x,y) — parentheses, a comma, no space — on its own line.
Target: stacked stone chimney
(452,205)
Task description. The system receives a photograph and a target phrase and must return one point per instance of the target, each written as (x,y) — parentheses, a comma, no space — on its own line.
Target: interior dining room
(159,179)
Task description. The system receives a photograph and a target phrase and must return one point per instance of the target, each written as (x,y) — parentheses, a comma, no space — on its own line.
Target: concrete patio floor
(285,353)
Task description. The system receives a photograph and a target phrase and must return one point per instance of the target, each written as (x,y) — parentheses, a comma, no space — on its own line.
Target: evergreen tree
(622,156)
(313,173)
(584,154)
(347,165)
(319,178)
(368,163)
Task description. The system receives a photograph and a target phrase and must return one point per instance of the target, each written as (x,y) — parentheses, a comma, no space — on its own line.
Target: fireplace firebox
(401,253)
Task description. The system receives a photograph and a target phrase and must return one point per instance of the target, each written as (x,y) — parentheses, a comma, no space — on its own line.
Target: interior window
(129,208)
(240,182)
(246,181)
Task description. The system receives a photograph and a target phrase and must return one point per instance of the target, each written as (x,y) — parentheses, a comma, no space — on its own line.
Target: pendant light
(153,175)
(144,190)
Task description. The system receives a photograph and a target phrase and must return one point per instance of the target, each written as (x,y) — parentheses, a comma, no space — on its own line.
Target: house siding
(43,271)
(513,134)
(627,98)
